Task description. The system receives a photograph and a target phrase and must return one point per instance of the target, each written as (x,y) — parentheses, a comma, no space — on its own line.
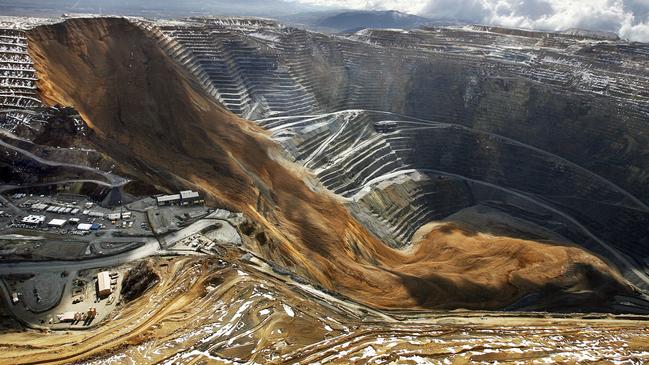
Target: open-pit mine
(233,190)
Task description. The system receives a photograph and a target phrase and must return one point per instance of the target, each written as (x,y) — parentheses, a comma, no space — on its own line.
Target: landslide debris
(64,126)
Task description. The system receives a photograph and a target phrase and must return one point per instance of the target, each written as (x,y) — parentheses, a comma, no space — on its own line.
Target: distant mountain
(350,21)
(371,19)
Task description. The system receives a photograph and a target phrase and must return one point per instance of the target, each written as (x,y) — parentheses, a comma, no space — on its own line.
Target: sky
(628,18)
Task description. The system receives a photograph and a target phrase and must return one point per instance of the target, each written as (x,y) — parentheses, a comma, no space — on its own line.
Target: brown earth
(206,312)
(150,114)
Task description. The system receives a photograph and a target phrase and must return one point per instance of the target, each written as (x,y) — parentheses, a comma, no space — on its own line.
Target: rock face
(524,143)
(138,280)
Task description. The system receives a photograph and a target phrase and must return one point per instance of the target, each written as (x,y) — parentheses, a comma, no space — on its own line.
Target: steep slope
(558,120)
(150,114)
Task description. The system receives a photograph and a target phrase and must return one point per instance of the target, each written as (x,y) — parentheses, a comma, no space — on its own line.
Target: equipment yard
(64,257)
(61,300)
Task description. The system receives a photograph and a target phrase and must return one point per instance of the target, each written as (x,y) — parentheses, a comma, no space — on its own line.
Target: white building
(103,284)
(39,206)
(168,199)
(84,226)
(67,317)
(34,219)
(57,222)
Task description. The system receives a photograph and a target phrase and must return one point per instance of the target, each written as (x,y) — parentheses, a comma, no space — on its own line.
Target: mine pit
(235,190)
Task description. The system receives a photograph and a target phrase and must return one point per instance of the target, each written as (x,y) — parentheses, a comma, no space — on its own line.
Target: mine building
(84,226)
(103,284)
(67,317)
(34,220)
(173,199)
(58,223)
(189,197)
(39,207)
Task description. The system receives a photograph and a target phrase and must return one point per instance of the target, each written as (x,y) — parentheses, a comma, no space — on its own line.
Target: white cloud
(628,18)
(455,9)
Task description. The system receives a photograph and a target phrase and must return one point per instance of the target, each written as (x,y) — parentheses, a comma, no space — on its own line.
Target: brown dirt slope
(150,114)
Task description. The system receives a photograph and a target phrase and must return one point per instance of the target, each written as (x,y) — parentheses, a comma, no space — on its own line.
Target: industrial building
(84,226)
(188,197)
(168,199)
(39,206)
(67,317)
(57,223)
(185,197)
(103,284)
(34,219)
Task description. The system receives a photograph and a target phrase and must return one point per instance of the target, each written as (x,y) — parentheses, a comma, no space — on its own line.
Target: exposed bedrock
(401,174)
(153,99)
(582,100)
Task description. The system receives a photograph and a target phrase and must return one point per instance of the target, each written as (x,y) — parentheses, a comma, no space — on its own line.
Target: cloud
(628,18)
(470,10)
